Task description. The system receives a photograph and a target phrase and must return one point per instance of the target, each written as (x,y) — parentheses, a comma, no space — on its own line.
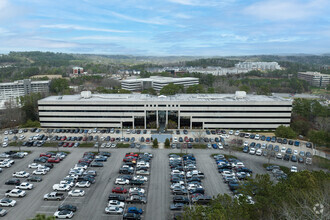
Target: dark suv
(13,181)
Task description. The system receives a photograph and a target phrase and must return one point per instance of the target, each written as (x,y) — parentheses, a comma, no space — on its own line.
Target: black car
(181,199)
(136,182)
(107,154)
(68,207)
(286,157)
(34,179)
(116,197)
(96,164)
(40,160)
(50,165)
(290,142)
(132,216)
(13,181)
(294,158)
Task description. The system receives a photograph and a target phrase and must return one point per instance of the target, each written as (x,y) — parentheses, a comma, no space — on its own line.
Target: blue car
(268,139)
(296,143)
(135,210)
(215,146)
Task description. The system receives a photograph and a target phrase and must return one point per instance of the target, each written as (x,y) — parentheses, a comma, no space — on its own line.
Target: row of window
(282,123)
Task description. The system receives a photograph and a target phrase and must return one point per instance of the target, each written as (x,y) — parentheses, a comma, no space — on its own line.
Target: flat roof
(161,79)
(314,73)
(216,98)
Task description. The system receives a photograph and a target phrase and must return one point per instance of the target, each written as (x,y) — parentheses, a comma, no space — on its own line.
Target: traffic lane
(212,182)
(97,198)
(158,193)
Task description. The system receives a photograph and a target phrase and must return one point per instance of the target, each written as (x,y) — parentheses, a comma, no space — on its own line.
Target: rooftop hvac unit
(240,94)
(86,94)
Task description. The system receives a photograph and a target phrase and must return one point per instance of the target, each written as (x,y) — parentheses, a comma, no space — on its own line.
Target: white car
(21,174)
(113,210)
(121,181)
(237,133)
(246,143)
(113,145)
(192,186)
(231,132)
(295,152)
(7,202)
(15,193)
(40,172)
(9,161)
(283,149)
(5,144)
(224,136)
(177,172)
(143,178)
(22,137)
(220,146)
(5,164)
(252,151)
(116,203)
(257,137)
(63,214)
(259,152)
(178,185)
(61,187)
(35,166)
(136,189)
(249,199)
(83,184)
(76,192)
(103,145)
(108,145)
(294,169)
(175,139)
(80,166)
(25,185)
(3,155)
(70,183)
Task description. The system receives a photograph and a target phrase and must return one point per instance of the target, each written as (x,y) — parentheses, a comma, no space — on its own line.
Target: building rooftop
(314,73)
(161,79)
(216,98)
(22,81)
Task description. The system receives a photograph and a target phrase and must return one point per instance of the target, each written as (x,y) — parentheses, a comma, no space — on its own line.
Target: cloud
(206,3)
(285,9)
(81,28)
(112,38)
(155,20)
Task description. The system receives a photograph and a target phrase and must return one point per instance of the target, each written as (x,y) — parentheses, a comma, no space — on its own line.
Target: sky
(166,27)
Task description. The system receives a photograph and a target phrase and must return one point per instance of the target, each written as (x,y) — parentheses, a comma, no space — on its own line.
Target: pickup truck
(54,196)
(15,193)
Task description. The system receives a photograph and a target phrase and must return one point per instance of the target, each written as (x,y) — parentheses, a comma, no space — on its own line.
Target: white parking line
(48,206)
(43,212)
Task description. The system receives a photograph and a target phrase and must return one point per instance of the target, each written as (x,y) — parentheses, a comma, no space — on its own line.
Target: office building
(258,65)
(315,78)
(191,111)
(11,91)
(156,82)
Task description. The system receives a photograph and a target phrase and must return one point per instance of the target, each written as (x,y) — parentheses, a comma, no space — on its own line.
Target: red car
(65,144)
(119,190)
(131,155)
(84,160)
(148,140)
(112,139)
(84,138)
(63,138)
(45,155)
(186,139)
(71,145)
(54,160)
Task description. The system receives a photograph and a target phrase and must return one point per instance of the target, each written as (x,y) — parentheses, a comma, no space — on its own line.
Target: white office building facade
(13,90)
(141,111)
(156,82)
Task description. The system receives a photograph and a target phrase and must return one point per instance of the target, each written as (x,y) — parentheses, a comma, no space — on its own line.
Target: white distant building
(258,65)
(315,78)
(77,70)
(11,91)
(156,82)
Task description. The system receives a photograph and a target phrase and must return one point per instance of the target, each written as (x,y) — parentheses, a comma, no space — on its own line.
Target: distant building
(315,78)
(48,76)
(77,70)
(156,82)
(258,65)
(11,91)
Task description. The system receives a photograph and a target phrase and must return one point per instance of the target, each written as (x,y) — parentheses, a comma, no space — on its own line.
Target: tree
(171,89)
(124,91)
(210,90)
(319,137)
(195,89)
(167,143)
(285,132)
(43,217)
(58,86)
(155,143)
(150,91)
(30,106)
(300,126)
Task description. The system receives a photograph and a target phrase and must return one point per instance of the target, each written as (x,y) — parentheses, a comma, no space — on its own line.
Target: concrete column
(190,122)
(166,122)
(178,119)
(133,124)
(157,118)
(145,119)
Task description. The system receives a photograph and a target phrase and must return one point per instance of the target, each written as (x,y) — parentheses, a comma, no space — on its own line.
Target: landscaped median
(122,145)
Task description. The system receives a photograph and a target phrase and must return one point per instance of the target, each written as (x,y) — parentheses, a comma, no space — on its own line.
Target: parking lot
(92,205)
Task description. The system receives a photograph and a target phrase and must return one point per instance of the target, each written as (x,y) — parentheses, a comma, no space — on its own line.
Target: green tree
(167,143)
(195,89)
(285,132)
(155,143)
(30,106)
(150,91)
(245,88)
(124,91)
(171,89)
(301,126)
(58,86)
(210,90)
(43,217)
(319,137)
